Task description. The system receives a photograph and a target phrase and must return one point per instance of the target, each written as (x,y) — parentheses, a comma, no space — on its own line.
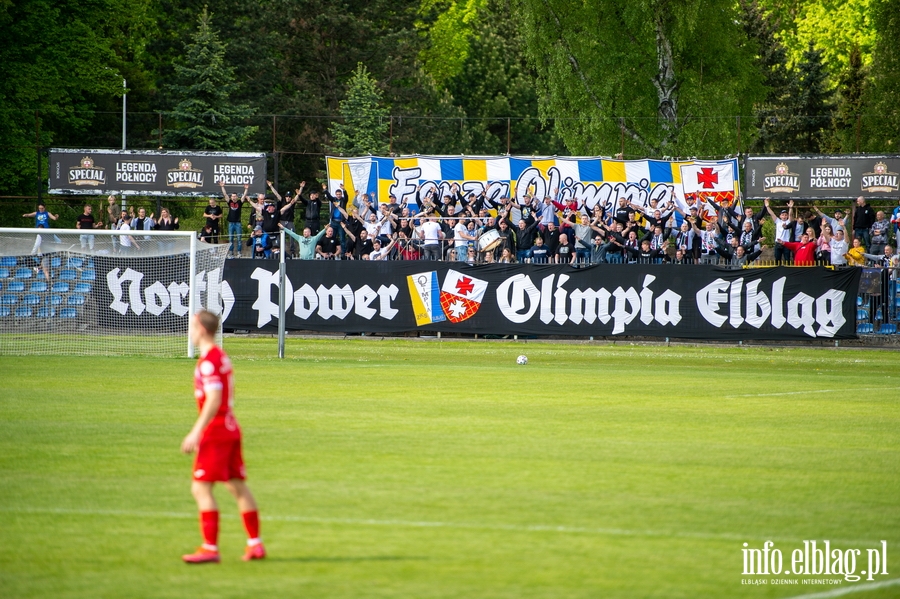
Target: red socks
(209,527)
(251,523)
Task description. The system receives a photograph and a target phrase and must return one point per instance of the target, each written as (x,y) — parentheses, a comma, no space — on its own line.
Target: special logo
(87,174)
(184,176)
(782,180)
(880,180)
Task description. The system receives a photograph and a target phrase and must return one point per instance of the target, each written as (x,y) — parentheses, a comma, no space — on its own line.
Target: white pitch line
(859,588)
(438,524)
(853,390)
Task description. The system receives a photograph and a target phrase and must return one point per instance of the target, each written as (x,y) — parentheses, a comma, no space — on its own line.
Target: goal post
(102,292)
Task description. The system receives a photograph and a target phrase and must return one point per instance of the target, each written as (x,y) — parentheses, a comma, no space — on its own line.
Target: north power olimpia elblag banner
(605,300)
(145,172)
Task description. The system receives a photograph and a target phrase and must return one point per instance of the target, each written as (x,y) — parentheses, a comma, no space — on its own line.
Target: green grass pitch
(389,468)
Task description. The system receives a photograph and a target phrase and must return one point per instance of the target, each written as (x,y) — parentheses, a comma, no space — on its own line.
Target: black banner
(643,300)
(135,172)
(822,177)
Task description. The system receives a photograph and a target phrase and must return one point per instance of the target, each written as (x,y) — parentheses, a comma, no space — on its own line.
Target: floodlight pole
(281,294)
(124,96)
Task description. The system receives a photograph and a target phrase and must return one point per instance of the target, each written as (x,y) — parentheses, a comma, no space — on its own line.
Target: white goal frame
(29,246)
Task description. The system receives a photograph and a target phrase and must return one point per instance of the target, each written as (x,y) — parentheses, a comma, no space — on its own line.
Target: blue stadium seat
(74,262)
(67,274)
(75,300)
(862,315)
(55,261)
(89,264)
(89,275)
(8,261)
(83,288)
(865,327)
(4,273)
(16,286)
(60,287)
(24,273)
(5,311)
(878,314)
(55,300)
(46,312)
(8,299)
(38,286)
(31,299)
(887,329)
(23,312)
(859,300)
(68,313)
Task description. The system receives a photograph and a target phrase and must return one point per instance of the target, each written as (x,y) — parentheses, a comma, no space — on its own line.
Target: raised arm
(274,191)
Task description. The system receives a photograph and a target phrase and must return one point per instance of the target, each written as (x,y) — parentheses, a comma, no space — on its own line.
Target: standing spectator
(836,223)
(878,233)
(784,228)
(359,246)
(565,250)
(166,223)
(85,221)
(431,236)
(863,218)
(213,213)
(838,244)
(804,250)
(313,206)
(41,217)
(540,254)
(856,254)
(142,222)
(381,253)
(307,243)
(127,243)
(461,239)
(286,216)
(895,219)
(234,219)
(260,243)
(328,247)
(42,220)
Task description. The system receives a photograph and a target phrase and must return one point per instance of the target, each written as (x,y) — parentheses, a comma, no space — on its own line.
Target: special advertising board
(135,172)
(822,177)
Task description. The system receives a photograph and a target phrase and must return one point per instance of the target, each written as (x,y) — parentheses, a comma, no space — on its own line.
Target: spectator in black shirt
(213,213)
(358,244)
(328,247)
(86,221)
(313,206)
(565,250)
(233,219)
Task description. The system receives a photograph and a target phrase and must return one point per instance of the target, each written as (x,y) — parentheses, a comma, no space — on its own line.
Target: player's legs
(250,516)
(209,524)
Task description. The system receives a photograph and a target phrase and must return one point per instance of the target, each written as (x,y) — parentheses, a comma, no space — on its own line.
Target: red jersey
(214,371)
(804,253)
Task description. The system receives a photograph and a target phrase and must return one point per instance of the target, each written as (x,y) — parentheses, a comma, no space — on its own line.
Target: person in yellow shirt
(855,257)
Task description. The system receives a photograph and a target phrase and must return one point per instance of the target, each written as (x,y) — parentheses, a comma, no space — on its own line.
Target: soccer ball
(522,360)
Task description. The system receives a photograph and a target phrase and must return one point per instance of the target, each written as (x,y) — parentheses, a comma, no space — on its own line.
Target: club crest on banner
(461,295)
(456,300)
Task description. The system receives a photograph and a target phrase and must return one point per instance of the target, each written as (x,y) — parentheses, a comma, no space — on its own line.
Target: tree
(495,87)
(882,126)
(365,124)
(850,93)
(205,116)
(771,59)
(812,106)
(667,75)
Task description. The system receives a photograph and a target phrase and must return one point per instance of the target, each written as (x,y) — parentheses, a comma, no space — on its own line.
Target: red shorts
(219,461)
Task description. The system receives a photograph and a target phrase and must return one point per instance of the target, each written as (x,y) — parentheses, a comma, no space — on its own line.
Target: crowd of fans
(458,227)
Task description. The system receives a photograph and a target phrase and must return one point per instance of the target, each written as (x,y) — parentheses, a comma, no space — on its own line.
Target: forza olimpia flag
(592,181)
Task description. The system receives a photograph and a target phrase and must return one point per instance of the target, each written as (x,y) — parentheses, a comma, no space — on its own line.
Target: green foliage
(364,127)
(850,94)
(495,84)
(812,104)
(449,36)
(205,116)
(882,127)
(835,28)
(598,69)
(57,59)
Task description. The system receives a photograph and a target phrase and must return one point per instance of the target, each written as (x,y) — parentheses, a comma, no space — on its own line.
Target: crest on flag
(710,180)
(425,296)
(461,295)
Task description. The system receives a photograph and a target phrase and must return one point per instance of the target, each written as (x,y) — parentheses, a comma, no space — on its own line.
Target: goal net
(104,292)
